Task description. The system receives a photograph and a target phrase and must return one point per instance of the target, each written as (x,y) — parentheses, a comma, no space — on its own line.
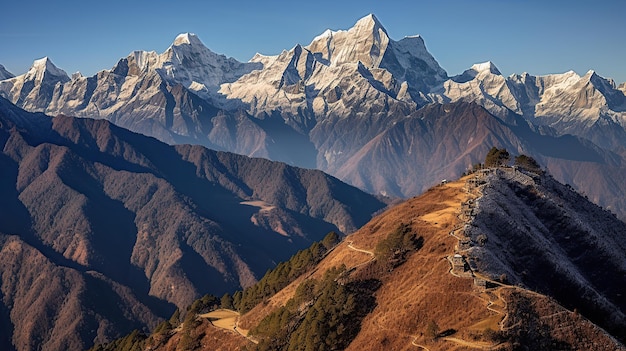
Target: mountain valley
(113,216)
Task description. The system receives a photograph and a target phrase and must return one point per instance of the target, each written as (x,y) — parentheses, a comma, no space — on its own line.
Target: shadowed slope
(126,215)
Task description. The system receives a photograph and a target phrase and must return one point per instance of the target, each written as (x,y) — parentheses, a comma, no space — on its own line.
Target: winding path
(373,257)
(475,193)
(418,345)
(359,250)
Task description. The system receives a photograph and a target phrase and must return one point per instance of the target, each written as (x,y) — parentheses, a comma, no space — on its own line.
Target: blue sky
(538,37)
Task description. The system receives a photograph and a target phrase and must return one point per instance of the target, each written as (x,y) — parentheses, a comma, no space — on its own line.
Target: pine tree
(527,163)
(226,301)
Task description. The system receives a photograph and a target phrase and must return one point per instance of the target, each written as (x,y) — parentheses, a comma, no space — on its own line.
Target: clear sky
(534,36)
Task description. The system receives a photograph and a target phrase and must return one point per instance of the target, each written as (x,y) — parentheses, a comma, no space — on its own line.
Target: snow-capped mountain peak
(189,62)
(337,69)
(366,42)
(370,24)
(486,67)
(187,38)
(34,89)
(42,66)
(326,34)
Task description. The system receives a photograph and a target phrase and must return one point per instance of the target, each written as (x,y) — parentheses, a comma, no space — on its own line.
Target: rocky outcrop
(535,232)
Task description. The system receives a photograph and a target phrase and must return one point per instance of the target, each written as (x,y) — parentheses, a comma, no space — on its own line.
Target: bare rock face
(114,228)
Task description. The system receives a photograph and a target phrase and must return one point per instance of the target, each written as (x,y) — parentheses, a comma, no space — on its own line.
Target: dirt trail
(262,205)
(494,295)
(474,193)
(370,253)
(418,345)
(359,250)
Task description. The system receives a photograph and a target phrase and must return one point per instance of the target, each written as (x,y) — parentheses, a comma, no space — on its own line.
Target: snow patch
(327,34)
(45,65)
(188,39)
(486,67)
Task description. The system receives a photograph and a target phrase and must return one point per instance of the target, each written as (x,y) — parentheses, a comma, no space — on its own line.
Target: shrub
(226,301)
(527,163)
(323,315)
(432,329)
(135,341)
(205,304)
(394,248)
(497,157)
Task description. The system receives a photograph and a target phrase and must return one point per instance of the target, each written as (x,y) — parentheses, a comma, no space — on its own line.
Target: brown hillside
(411,291)
(425,303)
(423,290)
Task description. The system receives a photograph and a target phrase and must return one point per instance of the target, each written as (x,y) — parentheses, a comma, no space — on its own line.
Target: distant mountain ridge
(328,105)
(4,74)
(589,106)
(103,230)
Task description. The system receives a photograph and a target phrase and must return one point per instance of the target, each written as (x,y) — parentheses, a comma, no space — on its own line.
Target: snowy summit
(187,38)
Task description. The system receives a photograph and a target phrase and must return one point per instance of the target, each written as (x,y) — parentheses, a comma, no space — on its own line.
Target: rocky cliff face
(540,233)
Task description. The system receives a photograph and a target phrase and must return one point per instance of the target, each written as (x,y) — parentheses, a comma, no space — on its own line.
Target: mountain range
(103,230)
(337,105)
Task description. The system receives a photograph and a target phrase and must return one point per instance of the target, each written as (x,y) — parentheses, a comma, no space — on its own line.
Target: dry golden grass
(226,323)
(222,318)
(208,337)
(262,205)
(220,314)
(418,291)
